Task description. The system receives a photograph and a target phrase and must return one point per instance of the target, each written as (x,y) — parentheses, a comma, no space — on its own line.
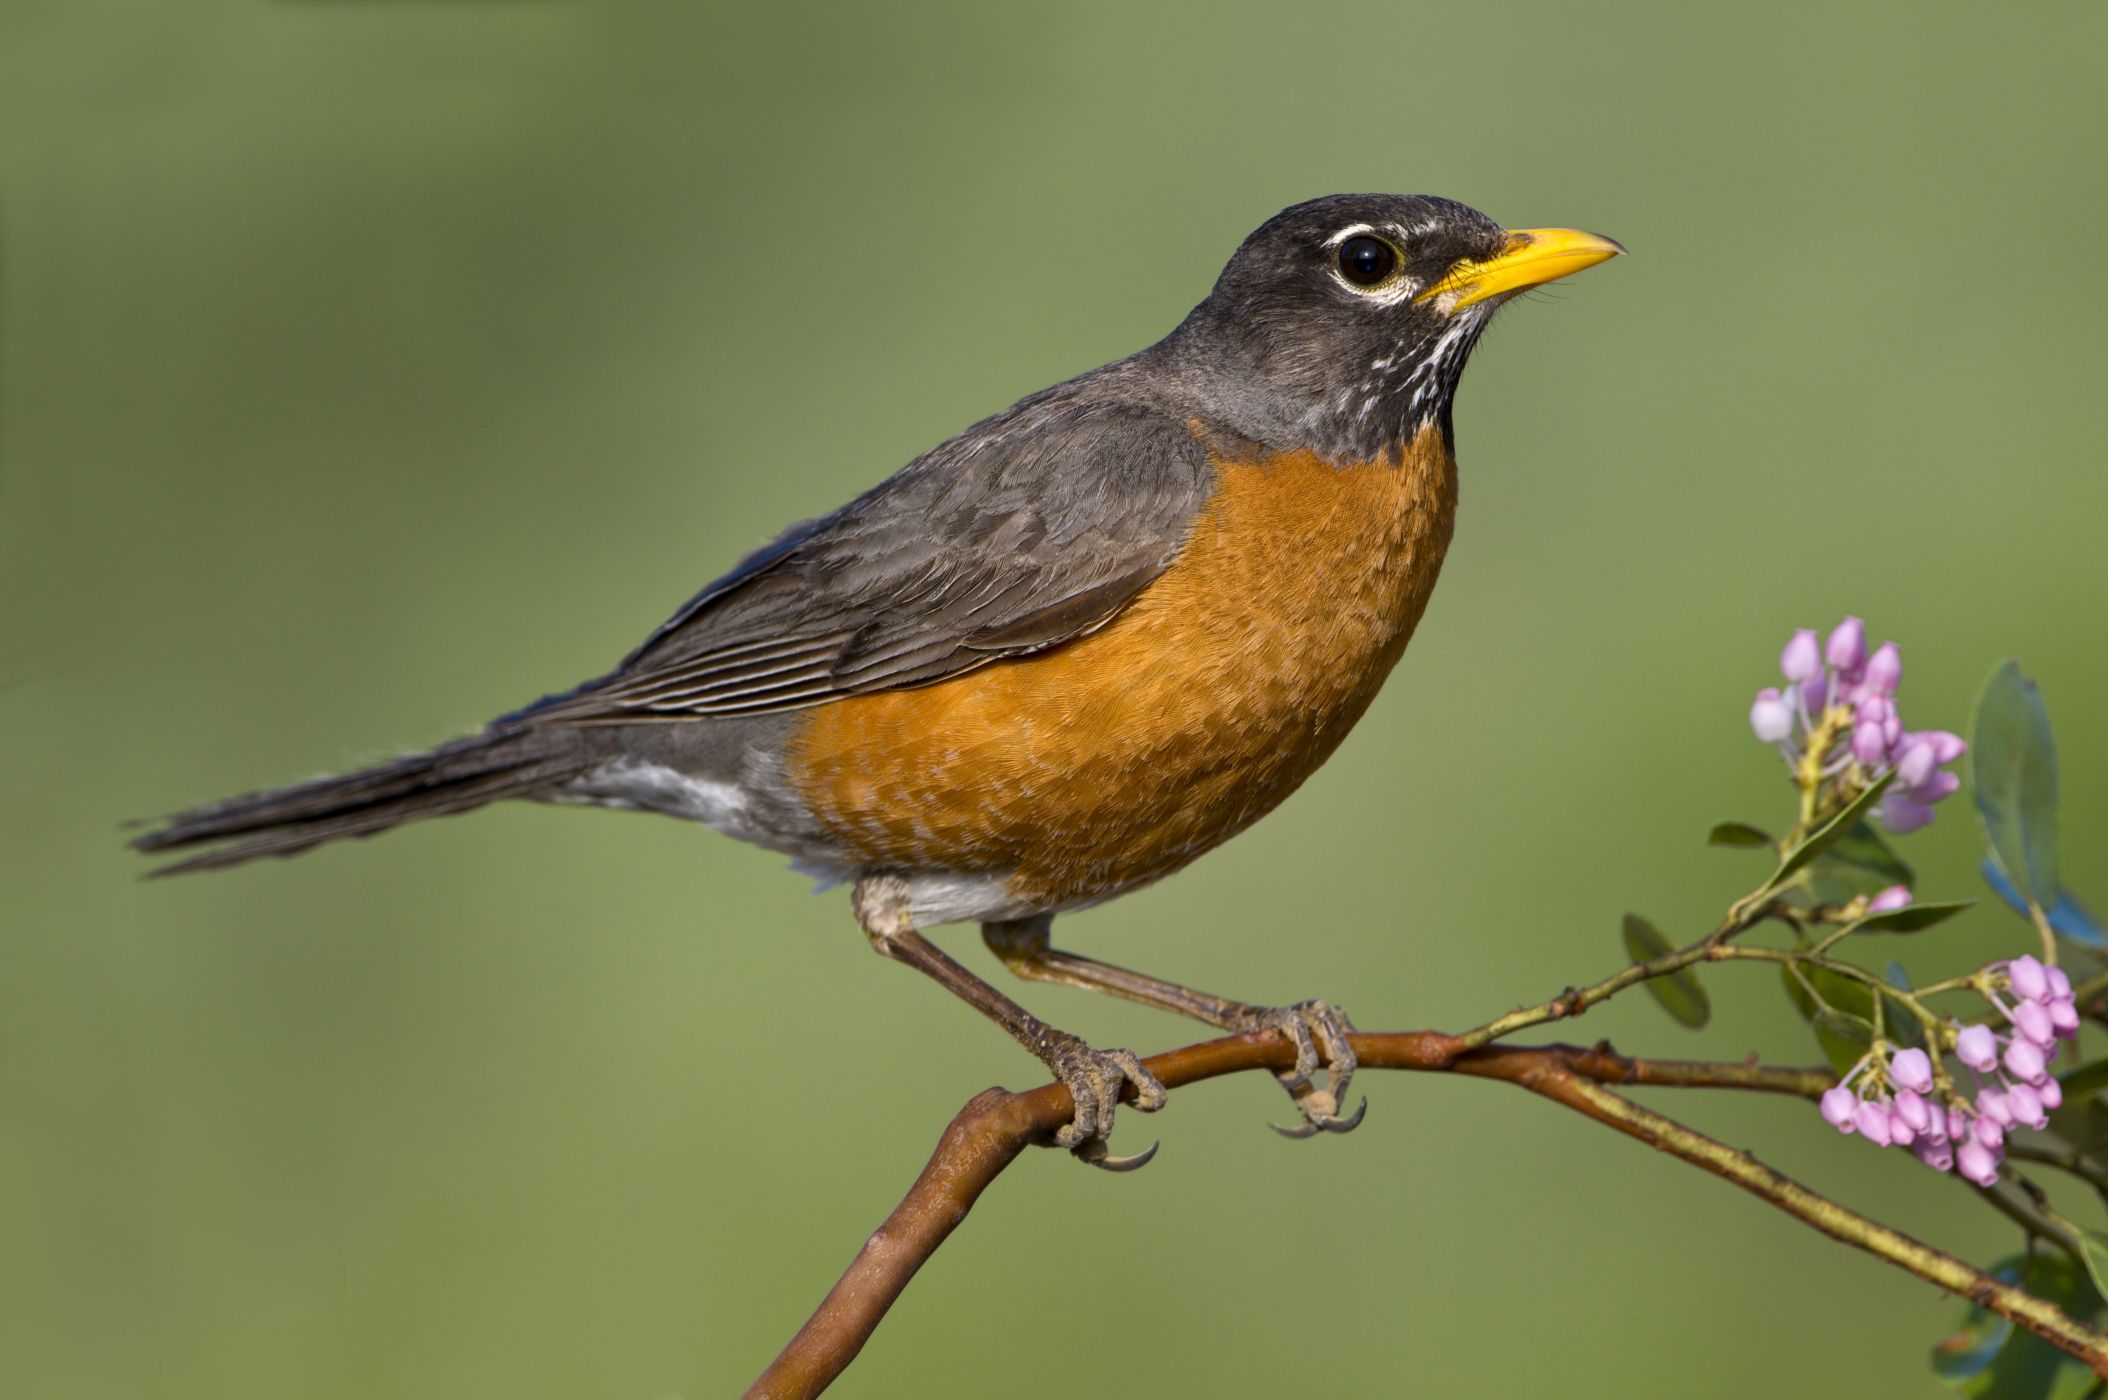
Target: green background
(369,368)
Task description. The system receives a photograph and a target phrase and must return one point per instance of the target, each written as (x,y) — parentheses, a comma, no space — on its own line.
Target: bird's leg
(1317,1029)
(1095,1078)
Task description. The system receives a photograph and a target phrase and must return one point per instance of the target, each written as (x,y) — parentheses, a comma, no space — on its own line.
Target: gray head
(1342,324)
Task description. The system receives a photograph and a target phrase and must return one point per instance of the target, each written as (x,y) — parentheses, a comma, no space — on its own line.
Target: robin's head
(1342,324)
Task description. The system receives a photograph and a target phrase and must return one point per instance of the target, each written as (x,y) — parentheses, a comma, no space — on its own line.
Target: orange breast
(1118,758)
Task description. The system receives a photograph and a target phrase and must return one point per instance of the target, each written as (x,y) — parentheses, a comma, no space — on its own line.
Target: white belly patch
(630,784)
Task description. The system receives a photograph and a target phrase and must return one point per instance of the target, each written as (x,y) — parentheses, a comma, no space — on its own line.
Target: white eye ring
(1394,288)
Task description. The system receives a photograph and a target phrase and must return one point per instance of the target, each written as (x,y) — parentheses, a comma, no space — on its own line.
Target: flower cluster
(1836,719)
(1893,1099)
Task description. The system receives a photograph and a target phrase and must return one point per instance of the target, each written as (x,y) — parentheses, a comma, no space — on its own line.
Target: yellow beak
(1533,256)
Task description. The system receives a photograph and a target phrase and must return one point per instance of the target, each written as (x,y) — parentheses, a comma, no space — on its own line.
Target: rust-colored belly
(1116,759)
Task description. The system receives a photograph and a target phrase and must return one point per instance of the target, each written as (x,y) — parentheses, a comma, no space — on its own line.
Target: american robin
(1059,656)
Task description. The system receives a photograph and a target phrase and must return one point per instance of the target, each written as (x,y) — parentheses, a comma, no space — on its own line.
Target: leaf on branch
(1737,834)
(2013,769)
(2093,1249)
(1989,1358)
(1844,1038)
(1911,918)
(1853,1002)
(1679,992)
(1859,862)
(2067,917)
(1825,836)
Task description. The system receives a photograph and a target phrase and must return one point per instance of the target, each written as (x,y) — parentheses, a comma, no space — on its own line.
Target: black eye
(1367,261)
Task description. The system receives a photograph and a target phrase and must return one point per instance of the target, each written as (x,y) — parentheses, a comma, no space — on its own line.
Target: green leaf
(2013,768)
(1859,862)
(1975,1343)
(1911,918)
(1823,838)
(1679,993)
(1737,834)
(1988,1358)
(2093,1249)
(1844,1039)
(1855,1002)
(2082,1119)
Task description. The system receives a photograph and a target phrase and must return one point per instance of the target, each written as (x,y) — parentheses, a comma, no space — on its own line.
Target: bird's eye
(1367,261)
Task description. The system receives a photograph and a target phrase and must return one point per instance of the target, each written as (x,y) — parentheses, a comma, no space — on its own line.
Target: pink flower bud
(1934,788)
(2024,1061)
(1911,1069)
(1977,1162)
(1903,816)
(2059,981)
(2064,1017)
(1846,649)
(2031,1019)
(1884,670)
(1957,1124)
(1875,709)
(2028,978)
(2051,1093)
(2027,1107)
(1869,744)
(1987,1132)
(1815,692)
(1838,1105)
(1917,764)
(1893,898)
(1946,748)
(1934,1153)
(1770,716)
(1872,1121)
(1912,1109)
(1976,1047)
(1802,659)
(1991,1103)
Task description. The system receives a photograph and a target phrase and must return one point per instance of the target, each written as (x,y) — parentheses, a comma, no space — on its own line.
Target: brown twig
(996,1126)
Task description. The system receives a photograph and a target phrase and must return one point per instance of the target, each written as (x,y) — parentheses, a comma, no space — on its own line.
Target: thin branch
(996,1126)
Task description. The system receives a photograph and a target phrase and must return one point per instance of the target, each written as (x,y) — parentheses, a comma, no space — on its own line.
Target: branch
(996,1126)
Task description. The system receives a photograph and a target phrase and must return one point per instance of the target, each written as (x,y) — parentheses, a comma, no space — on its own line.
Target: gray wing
(1028,530)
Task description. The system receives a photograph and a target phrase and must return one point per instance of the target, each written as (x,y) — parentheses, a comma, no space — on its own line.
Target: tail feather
(516,762)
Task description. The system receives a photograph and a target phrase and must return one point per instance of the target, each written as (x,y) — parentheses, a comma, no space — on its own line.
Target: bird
(1058,656)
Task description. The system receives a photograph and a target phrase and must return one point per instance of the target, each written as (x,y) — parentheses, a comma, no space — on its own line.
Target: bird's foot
(1319,1031)
(1096,1079)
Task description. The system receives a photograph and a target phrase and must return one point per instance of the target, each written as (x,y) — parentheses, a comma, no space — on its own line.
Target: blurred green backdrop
(367,368)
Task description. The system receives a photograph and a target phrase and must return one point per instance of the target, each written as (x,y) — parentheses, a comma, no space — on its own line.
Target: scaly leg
(1094,1077)
(1317,1029)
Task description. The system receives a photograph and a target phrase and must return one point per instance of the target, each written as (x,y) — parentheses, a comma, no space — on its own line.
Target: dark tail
(523,761)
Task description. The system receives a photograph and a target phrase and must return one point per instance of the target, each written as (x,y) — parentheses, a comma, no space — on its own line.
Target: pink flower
(1839,1104)
(2029,978)
(1977,1047)
(1872,1121)
(1884,670)
(2027,1107)
(1770,716)
(2032,1019)
(2025,1062)
(1912,1109)
(1846,649)
(1977,1162)
(1802,660)
(1911,1069)
(1889,900)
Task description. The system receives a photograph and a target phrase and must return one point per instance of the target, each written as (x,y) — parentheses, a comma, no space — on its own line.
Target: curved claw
(1350,1122)
(1094,1153)
(1307,1128)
